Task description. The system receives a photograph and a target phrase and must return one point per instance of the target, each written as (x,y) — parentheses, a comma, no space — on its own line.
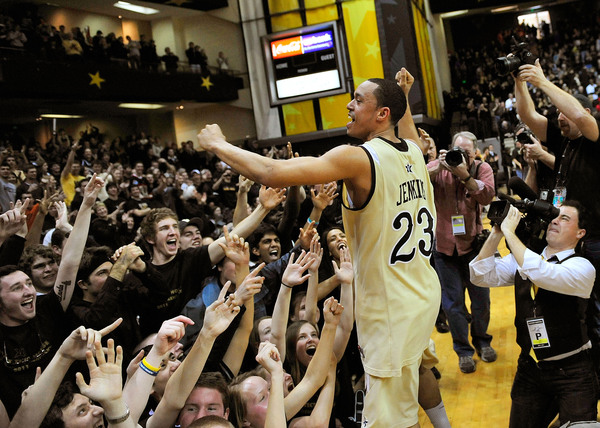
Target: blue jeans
(453,272)
(568,387)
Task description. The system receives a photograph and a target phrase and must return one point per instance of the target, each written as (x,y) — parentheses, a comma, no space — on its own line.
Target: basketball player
(389,217)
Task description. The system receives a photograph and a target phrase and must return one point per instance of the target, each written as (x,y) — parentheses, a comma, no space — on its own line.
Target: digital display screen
(304,64)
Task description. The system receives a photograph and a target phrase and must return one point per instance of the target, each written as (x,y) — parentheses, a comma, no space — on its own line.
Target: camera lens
(505,65)
(523,137)
(454,158)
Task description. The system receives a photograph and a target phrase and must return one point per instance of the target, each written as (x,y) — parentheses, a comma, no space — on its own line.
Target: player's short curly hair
(389,94)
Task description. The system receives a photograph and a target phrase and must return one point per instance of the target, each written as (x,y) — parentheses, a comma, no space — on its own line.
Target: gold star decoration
(207,83)
(96,79)
(372,49)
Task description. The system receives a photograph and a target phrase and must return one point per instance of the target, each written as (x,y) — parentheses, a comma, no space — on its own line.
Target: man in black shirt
(172,277)
(575,143)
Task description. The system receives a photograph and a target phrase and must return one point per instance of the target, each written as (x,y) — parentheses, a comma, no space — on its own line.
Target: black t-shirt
(112,205)
(167,288)
(579,159)
(28,346)
(228,194)
(134,204)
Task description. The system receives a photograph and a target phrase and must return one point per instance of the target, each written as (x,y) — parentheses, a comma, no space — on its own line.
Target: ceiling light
(135,8)
(505,9)
(141,106)
(454,13)
(61,116)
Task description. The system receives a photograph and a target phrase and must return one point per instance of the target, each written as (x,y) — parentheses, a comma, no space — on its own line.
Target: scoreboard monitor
(305,63)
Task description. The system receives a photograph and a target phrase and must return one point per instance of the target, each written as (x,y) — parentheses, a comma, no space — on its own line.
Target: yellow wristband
(148,366)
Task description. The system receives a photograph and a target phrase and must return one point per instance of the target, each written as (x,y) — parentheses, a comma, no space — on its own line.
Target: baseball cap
(194,221)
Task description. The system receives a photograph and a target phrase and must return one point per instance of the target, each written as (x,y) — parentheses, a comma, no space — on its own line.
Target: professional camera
(532,227)
(507,64)
(525,137)
(456,156)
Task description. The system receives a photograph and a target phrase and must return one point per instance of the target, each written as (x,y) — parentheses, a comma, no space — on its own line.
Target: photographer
(540,162)
(551,294)
(574,141)
(462,185)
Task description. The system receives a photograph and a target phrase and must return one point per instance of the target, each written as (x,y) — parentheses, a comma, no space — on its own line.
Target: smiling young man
(551,294)
(32,328)
(39,263)
(390,238)
(173,276)
(190,233)
(30,331)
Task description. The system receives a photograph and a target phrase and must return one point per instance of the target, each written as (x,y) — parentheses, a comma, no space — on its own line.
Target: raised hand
(294,272)
(235,248)
(45,203)
(76,146)
(332,311)
(211,136)
(306,235)
(405,80)
(250,286)
(13,220)
(268,357)
(270,197)
(244,184)
(81,340)
(532,73)
(170,333)
(426,139)
(290,152)
(220,313)
(325,195)
(105,375)
(344,273)
(91,190)
(315,254)
(62,219)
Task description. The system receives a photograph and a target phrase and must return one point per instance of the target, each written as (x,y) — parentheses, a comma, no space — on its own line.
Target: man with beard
(574,142)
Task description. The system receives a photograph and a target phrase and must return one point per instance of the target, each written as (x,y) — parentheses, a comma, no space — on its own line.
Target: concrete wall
(236,123)
(214,35)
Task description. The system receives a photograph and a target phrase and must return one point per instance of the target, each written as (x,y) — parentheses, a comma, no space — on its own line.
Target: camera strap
(474,175)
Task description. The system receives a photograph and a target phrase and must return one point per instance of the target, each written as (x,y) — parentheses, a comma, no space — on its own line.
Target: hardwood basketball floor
(482,398)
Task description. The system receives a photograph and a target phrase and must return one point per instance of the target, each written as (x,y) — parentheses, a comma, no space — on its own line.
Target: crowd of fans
(35,36)
(483,102)
(106,208)
(190,268)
